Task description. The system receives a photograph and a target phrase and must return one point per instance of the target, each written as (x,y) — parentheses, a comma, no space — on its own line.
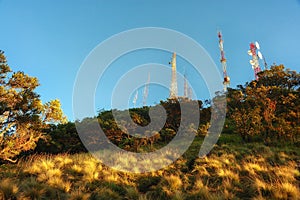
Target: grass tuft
(8,189)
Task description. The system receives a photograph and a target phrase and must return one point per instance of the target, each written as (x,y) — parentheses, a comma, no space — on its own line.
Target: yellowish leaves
(2,57)
(53,112)
(37,104)
(21,80)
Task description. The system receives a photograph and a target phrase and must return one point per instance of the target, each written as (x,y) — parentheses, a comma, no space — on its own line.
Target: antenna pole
(185,94)
(146,91)
(135,98)
(265,63)
(226,78)
(173,87)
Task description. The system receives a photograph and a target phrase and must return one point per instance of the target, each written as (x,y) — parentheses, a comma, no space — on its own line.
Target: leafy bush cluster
(267,110)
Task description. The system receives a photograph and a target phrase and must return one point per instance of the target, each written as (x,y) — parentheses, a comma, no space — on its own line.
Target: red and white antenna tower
(254,62)
(226,80)
(146,91)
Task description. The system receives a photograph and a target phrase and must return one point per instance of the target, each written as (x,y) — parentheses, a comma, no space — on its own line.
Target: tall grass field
(233,170)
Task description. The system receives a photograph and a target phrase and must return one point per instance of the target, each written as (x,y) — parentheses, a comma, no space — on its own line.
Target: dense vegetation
(267,111)
(256,157)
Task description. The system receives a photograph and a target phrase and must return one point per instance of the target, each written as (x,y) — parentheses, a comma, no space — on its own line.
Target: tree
(23,117)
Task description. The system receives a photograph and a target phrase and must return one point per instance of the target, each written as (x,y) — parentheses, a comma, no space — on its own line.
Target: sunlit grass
(8,189)
(32,189)
(229,177)
(174,182)
(78,195)
(227,173)
(290,190)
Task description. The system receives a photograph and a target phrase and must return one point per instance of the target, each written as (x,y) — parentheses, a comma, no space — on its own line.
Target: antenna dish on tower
(260,55)
(257,45)
(221,45)
(249,52)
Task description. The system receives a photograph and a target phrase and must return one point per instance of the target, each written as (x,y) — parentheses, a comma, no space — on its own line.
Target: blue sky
(51,39)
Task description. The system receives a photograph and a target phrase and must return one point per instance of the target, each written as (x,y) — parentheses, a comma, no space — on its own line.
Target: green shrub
(145,183)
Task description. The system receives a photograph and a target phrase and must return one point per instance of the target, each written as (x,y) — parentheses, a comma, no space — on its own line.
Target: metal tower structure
(226,79)
(188,93)
(173,86)
(186,87)
(146,91)
(259,54)
(254,61)
(135,98)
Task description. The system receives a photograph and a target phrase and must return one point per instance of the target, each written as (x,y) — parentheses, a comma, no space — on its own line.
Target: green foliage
(60,138)
(118,133)
(145,183)
(64,137)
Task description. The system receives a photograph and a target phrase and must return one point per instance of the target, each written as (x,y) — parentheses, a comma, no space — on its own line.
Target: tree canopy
(23,116)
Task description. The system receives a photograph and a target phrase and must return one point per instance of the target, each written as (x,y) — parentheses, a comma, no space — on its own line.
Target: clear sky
(50,39)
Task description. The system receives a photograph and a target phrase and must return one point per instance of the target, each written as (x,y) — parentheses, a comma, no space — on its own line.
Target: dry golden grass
(78,195)
(32,189)
(224,174)
(8,189)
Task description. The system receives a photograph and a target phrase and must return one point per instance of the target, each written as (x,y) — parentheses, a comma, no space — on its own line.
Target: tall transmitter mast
(226,80)
(146,91)
(185,87)
(173,86)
